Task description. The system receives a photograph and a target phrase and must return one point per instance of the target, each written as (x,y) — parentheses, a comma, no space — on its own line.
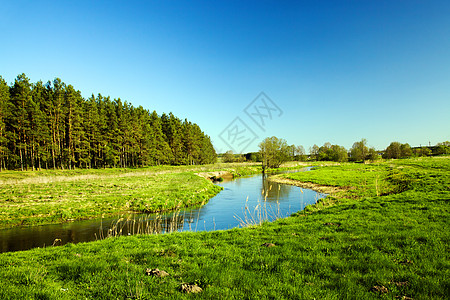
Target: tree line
(398,150)
(274,151)
(52,126)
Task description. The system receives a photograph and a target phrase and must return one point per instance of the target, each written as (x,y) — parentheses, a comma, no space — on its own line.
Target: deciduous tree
(300,153)
(274,152)
(359,151)
(393,150)
(314,152)
(228,156)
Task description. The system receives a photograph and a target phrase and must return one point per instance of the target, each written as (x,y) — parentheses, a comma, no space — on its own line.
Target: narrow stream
(243,201)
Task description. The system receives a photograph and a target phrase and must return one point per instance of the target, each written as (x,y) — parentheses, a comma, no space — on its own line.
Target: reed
(143,225)
(158,223)
(261,213)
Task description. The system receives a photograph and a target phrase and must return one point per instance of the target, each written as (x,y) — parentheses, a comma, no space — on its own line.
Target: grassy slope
(397,243)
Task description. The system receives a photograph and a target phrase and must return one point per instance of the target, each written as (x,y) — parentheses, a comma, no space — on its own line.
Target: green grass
(360,179)
(363,244)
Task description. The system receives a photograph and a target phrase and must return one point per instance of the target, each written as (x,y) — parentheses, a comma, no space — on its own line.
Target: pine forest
(51,125)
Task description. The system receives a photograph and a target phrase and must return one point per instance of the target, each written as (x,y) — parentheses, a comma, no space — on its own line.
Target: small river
(242,201)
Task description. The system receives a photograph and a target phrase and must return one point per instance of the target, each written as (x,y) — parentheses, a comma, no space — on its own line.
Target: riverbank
(387,236)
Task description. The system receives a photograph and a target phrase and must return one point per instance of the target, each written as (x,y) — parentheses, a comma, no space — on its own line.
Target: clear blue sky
(338,70)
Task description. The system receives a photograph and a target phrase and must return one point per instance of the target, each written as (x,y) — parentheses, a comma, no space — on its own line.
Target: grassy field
(386,236)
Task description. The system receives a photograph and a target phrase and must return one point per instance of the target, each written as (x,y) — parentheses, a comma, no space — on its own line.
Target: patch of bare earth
(215,174)
(307,185)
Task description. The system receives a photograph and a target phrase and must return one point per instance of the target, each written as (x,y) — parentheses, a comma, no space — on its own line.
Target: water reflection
(273,191)
(241,199)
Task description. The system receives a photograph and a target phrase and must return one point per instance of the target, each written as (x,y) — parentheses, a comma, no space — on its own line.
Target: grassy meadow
(384,235)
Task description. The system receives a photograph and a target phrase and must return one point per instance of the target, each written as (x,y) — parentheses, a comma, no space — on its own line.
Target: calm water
(245,199)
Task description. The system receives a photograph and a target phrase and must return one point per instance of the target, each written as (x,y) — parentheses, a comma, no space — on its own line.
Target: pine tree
(172,128)
(91,129)
(191,142)
(110,135)
(22,101)
(122,128)
(73,125)
(101,141)
(40,131)
(55,103)
(160,153)
(208,153)
(4,111)
(136,120)
(84,149)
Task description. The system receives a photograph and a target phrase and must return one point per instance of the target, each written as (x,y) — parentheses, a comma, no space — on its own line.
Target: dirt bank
(307,185)
(216,174)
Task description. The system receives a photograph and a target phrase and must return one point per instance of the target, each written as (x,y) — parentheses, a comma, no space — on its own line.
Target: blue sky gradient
(339,70)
